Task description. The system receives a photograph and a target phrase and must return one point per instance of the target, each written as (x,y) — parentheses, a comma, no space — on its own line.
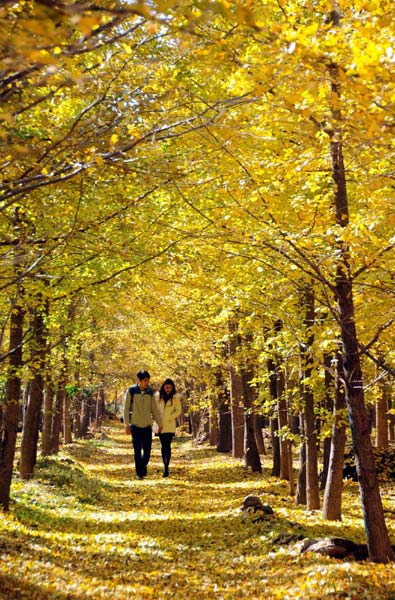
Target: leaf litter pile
(85,527)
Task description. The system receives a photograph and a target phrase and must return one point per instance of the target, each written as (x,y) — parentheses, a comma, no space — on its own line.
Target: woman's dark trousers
(142,442)
(165,440)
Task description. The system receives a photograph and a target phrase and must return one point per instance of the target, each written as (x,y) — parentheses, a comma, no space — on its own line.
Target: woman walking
(170,408)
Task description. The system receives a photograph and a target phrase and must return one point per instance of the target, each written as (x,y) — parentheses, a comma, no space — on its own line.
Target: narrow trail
(183,534)
(96,532)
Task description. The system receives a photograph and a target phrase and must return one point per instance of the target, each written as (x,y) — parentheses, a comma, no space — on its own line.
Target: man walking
(140,408)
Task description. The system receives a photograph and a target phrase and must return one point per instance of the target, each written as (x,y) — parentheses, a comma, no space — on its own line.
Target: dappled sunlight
(89,529)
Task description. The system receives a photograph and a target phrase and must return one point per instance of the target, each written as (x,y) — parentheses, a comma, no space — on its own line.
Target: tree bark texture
(236,396)
(282,412)
(378,542)
(224,442)
(312,484)
(274,426)
(31,423)
(251,454)
(9,428)
(301,496)
(329,408)
(49,395)
(332,507)
(382,405)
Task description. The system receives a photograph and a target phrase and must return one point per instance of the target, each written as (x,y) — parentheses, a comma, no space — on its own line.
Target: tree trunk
(301,496)
(76,413)
(31,424)
(260,442)
(236,397)
(67,419)
(276,466)
(11,408)
(276,454)
(86,411)
(332,508)
(282,412)
(57,417)
(224,442)
(49,395)
(378,542)
(391,417)
(100,406)
(251,454)
(382,430)
(213,421)
(329,408)
(312,484)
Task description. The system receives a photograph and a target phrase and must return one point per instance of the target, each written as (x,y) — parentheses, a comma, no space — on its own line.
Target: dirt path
(85,527)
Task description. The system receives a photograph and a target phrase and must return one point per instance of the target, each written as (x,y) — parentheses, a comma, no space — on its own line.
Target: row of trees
(206,191)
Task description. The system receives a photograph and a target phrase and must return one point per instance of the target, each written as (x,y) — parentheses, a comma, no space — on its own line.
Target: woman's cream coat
(169,412)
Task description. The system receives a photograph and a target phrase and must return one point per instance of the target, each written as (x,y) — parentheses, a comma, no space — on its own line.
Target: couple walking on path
(141,406)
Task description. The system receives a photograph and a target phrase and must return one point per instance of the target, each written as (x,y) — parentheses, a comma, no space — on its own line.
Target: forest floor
(85,527)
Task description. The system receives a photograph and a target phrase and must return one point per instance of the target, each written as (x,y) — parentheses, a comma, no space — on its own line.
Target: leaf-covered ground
(85,527)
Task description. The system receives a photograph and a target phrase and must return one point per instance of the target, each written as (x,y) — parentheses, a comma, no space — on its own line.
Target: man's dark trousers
(142,442)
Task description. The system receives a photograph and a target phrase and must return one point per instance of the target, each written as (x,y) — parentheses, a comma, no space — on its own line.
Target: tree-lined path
(85,527)
(206,190)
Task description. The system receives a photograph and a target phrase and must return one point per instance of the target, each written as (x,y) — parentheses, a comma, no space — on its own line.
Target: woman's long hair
(162,393)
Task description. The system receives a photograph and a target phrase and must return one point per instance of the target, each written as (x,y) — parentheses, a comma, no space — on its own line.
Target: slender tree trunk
(301,496)
(213,421)
(10,415)
(382,430)
(236,397)
(60,395)
(86,411)
(391,417)
(31,425)
(251,454)
(329,408)
(260,442)
(312,484)
(378,542)
(57,417)
(276,466)
(77,398)
(224,443)
(237,415)
(49,395)
(274,426)
(282,412)
(76,414)
(332,508)
(67,419)
(291,478)
(100,405)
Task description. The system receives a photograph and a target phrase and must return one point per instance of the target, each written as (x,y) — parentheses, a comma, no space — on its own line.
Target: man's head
(143,378)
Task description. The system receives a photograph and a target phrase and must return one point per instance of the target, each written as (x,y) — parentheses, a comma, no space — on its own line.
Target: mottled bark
(10,415)
(332,508)
(379,545)
(312,484)
(32,417)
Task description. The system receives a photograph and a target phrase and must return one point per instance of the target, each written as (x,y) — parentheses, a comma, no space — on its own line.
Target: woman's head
(168,389)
